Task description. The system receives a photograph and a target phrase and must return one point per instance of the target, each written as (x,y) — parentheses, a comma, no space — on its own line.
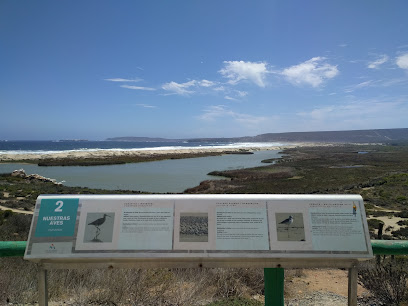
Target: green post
(274,279)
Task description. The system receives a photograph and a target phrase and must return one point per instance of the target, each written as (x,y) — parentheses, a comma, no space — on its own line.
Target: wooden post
(42,287)
(274,279)
(352,286)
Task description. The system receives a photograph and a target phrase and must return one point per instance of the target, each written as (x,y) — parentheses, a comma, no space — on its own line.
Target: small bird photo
(99,227)
(290,227)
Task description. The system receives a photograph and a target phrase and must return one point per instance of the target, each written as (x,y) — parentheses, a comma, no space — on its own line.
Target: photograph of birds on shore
(193,227)
(99,227)
(290,227)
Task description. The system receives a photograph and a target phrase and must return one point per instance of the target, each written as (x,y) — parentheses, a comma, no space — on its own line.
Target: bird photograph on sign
(290,227)
(99,227)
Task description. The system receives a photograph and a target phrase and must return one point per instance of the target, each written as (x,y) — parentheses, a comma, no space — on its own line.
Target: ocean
(158,176)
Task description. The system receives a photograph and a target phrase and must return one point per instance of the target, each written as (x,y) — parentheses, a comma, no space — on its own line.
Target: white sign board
(198,228)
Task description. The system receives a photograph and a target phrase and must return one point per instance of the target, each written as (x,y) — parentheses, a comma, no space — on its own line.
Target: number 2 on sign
(59,208)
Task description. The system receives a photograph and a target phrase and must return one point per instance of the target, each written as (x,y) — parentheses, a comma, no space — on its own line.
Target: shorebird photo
(289,226)
(99,227)
(287,221)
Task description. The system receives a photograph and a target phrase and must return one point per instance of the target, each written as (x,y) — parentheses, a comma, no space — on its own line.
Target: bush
(402,233)
(386,281)
(15,227)
(402,214)
(373,224)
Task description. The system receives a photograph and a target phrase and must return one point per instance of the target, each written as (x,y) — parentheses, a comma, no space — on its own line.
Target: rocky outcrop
(19,173)
(35,177)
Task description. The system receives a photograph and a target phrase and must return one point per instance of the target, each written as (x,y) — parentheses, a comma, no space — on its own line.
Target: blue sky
(181,69)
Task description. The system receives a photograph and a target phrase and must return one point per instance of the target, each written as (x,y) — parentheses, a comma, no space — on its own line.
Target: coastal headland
(122,156)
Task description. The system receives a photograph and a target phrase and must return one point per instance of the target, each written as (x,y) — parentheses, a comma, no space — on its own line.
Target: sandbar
(109,153)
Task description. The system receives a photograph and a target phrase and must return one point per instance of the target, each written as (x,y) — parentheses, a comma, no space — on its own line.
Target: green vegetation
(381,176)
(373,224)
(20,193)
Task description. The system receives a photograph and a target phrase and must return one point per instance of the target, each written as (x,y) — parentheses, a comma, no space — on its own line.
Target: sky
(186,69)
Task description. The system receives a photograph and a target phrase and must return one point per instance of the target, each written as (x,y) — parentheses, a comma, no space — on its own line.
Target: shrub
(373,224)
(402,214)
(386,281)
(15,227)
(402,233)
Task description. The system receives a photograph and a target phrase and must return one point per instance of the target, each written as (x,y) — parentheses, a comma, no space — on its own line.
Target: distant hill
(383,135)
(353,136)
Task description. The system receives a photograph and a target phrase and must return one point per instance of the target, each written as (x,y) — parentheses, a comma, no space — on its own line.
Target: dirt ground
(303,282)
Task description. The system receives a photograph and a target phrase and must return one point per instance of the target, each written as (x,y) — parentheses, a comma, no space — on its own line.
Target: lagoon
(158,176)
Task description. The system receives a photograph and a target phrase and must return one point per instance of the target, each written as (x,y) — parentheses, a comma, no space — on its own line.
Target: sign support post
(42,287)
(352,286)
(274,280)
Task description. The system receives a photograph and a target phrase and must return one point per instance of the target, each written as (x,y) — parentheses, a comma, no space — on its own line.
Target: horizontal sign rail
(380,247)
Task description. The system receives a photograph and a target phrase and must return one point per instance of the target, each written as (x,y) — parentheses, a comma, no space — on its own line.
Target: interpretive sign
(198,228)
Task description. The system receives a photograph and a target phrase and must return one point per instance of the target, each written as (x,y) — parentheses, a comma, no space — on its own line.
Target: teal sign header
(57,217)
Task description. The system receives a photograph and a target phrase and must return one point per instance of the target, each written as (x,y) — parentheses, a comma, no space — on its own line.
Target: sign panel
(198,226)
(57,217)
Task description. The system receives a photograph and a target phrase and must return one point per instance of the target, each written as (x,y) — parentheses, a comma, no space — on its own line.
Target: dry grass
(18,284)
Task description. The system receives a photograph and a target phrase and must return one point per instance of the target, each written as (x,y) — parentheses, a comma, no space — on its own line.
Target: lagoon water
(159,176)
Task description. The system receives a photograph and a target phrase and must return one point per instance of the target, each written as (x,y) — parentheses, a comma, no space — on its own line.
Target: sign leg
(274,279)
(352,286)
(42,287)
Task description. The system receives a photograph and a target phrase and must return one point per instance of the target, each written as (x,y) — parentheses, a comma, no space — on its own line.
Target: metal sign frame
(267,231)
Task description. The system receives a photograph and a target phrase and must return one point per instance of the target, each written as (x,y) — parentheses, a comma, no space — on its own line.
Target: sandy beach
(106,154)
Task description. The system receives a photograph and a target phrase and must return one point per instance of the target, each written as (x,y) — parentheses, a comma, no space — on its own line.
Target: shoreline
(106,154)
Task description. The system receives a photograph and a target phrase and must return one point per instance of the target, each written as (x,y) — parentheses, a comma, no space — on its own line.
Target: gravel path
(329,299)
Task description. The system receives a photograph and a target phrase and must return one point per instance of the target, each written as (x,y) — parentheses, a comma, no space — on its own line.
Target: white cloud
(402,61)
(186,88)
(123,80)
(221,111)
(206,83)
(146,106)
(219,88)
(312,72)
(237,93)
(179,88)
(343,45)
(137,87)
(230,98)
(359,86)
(237,71)
(375,64)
